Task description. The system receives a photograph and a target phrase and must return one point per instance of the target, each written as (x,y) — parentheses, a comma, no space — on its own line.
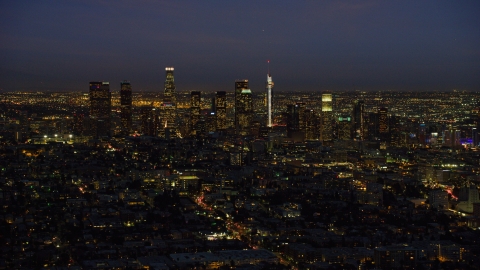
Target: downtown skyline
(312,46)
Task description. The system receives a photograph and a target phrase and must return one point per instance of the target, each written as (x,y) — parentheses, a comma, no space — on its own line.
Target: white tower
(269,98)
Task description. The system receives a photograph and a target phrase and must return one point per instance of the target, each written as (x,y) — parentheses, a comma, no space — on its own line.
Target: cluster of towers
(99,123)
(301,123)
(164,120)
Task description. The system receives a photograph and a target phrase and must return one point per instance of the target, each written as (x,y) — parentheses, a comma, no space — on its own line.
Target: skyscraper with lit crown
(327,117)
(169,106)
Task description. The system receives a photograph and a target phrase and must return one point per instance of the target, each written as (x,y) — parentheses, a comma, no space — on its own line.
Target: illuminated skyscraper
(344,128)
(221,110)
(100,108)
(150,121)
(169,107)
(327,117)
(383,129)
(358,120)
(243,106)
(126,106)
(170,94)
(269,99)
(195,98)
(311,124)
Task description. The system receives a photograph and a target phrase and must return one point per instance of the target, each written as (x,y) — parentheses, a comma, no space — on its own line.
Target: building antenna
(268,67)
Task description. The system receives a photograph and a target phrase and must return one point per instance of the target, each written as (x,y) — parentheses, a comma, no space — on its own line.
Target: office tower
(240,86)
(451,138)
(296,121)
(383,127)
(77,127)
(169,107)
(149,120)
(100,108)
(243,107)
(311,124)
(195,98)
(221,110)
(327,117)
(358,121)
(210,124)
(395,131)
(344,128)
(126,107)
(170,94)
(269,99)
(422,134)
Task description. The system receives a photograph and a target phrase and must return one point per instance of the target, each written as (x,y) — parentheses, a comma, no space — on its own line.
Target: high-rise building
(344,128)
(126,107)
(195,99)
(296,121)
(77,127)
(327,117)
(358,122)
(397,137)
(311,124)
(269,99)
(149,120)
(221,110)
(170,94)
(100,108)
(383,125)
(243,107)
(169,107)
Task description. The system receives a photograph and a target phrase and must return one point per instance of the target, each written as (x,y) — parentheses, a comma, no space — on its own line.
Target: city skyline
(312,46)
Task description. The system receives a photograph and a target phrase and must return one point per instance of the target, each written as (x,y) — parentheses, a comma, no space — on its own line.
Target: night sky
(311,45)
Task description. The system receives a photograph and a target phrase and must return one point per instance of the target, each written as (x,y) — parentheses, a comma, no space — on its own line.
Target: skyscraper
(383,124)
(169,107)
(327,117)
(126,106)
(243,106)
(296,121)
(269,99)
(149,120)
(344,128)
(221,110)
(100,108)
(311,124)
(170,94)
(358,124)
(195,97)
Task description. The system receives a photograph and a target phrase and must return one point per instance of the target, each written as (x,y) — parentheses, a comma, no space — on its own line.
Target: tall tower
(126,106)
(195,97)
(269,98)
(221,110)
(358,120)
(296,114)
(327,117)
(170,94)
(383,123)
(242,92)
(169,100)
(100,108)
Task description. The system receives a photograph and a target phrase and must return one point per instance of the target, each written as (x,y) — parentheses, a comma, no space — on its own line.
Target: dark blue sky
(312,45)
